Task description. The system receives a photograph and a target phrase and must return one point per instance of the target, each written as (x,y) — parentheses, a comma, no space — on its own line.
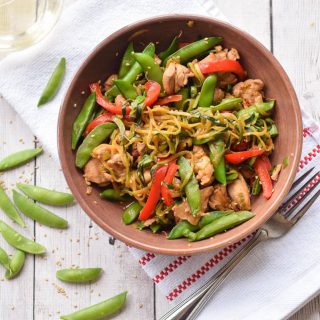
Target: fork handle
(200,304)
(180,309)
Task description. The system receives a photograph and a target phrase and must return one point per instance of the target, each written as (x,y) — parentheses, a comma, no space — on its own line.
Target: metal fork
(283,220)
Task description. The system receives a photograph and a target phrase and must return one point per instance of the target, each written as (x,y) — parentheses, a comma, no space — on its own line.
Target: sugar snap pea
(227,104)
(98,135)
(126,62)
(185,95)
(18,241)
(4,259)
(134,71)
(131,213)
(152,70)
(16,264)
(170,50)
(182,229)
(216,153)
(37,213)
(54,83)
(262,108)
(9,209)
(99,310)
(207,91)
(19,158)
(114,195)
(79,275)
(194,49)
(83,118)
(211,216)
(192,187)
(221,224)
(46,196)
(126,88)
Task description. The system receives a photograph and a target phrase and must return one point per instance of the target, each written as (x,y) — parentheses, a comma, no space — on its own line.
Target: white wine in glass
(25,22)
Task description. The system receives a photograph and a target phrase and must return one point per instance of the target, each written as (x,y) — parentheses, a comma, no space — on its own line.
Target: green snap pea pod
(46,196)
(221,224)
(16,264)
(273,130)
(182,229)
(126,89)
(54,83)
(19,158)
(193,91)
(217,149)
(79,275)
(256,187)
(98,135)
(185,95)
(114,195)
(170,50)
(126,62)
(134,71)
(37,213)
(9,209)
(131,213)
(152,70)
(232,175)
(18,241)
(263,108)
(155,227)
(99,310)
(211,216)
(207,91)
(228,104)
(194,49)
(83,118)
(192,187)
(4,259)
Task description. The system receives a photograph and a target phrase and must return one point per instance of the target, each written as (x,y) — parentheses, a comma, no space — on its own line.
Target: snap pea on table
(37,213)
(4,259)
(79,275)
(16,264)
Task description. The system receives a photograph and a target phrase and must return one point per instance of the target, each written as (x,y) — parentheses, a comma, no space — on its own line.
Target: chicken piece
(95,172)
(239,193)
(103,152)
(202,166)
(115,165)
(250,91)
(119,101)
(225,78)
(109,82)
(233,54)
(138,149)
(218,95)
(220,199)
(276,172)
(223,54)
(182,211)
(175,77)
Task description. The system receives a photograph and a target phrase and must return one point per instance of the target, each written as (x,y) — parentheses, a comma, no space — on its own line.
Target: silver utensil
(282,221)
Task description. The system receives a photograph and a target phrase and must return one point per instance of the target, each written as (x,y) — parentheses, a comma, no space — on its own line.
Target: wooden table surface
(290,28)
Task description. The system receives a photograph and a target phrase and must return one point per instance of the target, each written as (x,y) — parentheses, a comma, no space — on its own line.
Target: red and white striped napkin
(179,276)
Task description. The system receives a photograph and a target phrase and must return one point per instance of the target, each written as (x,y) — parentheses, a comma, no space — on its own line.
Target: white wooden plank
(84,245)
(16,296)
(309,312)
(296,33)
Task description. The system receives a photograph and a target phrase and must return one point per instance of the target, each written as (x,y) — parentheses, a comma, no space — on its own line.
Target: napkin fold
(278,276)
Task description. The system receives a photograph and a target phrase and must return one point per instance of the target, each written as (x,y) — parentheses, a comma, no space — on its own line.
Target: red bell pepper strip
(153,91)
(209,66)
(238,157)
(165,191)
(102,118)
(261,169)
(104,103)
(267,162)
(166,100)
(155,192)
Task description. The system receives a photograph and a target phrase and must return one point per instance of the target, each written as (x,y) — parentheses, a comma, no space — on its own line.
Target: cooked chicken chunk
(250,91)
(220,199)
(218,95)
(103,152)
(175,77)
(222,54)
(276,172)
(109,82)
(95,172)
(119,101)
(239,193)
(202,166)
(115,165)
(182,211)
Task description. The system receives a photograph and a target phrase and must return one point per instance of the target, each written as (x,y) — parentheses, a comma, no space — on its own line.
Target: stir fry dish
(184,136)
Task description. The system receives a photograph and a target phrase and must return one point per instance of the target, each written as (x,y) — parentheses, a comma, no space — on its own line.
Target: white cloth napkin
(278,277)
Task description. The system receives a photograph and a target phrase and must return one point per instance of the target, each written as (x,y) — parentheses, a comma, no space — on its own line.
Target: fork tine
(290,210)
(301,178)
(284,206)
(305,208)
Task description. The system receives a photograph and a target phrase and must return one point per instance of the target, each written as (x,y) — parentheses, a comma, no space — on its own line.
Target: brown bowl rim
(245,231)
